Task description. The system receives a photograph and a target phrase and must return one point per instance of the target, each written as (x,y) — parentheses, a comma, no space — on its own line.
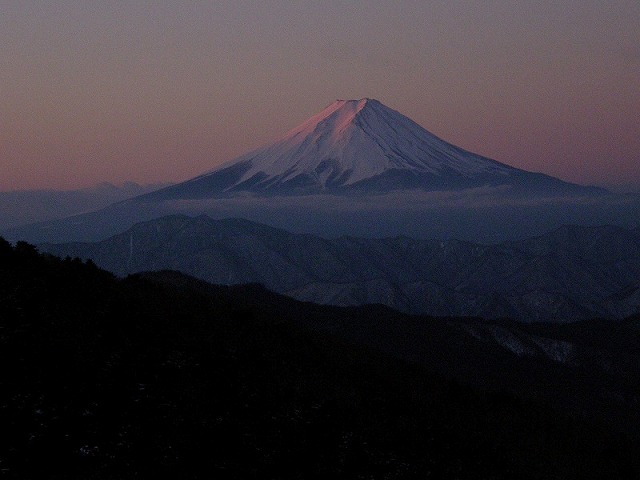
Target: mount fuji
(361,168)
(359,146)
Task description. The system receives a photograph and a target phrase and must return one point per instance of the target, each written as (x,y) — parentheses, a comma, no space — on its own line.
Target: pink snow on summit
(362,138)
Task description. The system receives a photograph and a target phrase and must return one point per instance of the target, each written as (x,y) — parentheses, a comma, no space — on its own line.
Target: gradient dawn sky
(94,91)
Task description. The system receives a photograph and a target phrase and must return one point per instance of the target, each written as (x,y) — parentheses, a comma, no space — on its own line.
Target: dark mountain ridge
(163,374)
(569,274)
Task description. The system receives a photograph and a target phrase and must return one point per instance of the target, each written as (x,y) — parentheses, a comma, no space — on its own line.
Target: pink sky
(94,91)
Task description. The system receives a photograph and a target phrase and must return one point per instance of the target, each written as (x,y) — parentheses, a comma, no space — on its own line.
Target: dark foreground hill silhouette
(164,375)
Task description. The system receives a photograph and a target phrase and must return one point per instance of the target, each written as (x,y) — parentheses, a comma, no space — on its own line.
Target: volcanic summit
(358,146)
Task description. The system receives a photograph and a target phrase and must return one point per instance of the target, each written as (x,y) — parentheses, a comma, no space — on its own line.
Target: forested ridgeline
(139,377)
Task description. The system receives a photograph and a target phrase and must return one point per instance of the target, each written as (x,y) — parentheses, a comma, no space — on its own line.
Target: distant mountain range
(23,207)
(569,274)
(360,146)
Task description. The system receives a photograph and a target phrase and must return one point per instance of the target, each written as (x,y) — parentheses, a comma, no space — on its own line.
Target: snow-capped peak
(358,145)
(340,114)
(353,140)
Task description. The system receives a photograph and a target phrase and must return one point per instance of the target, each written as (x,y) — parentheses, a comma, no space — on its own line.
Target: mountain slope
(359,146)
(361,168)
(163,375)
(23,207)
(572,273)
